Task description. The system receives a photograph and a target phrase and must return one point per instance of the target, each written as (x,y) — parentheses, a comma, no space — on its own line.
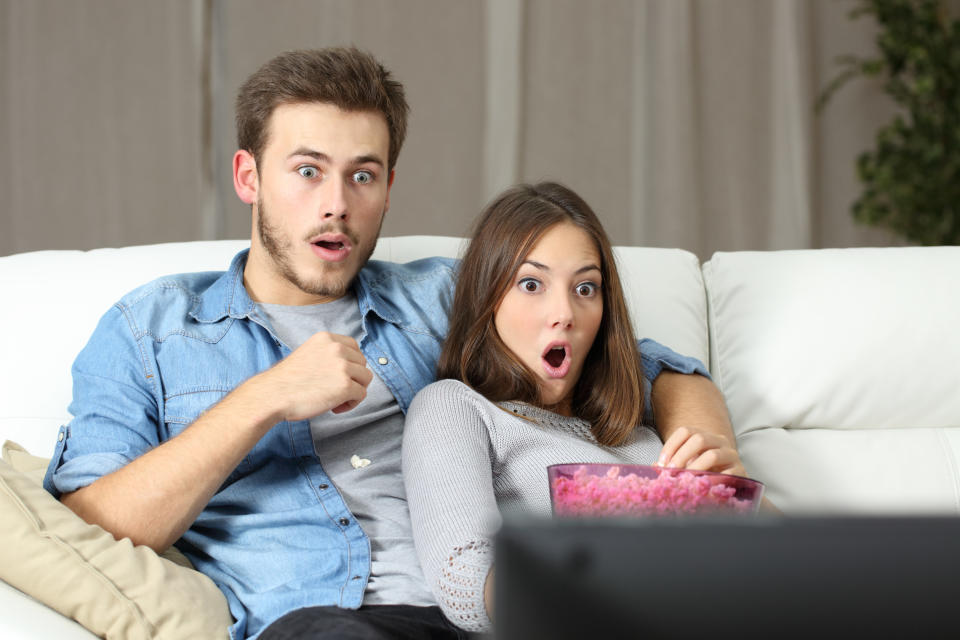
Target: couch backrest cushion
(52,301)
(663,287)
(846,356)
(667,301)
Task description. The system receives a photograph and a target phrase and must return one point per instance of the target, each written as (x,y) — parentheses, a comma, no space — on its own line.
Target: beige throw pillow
(113,588)
(18,457)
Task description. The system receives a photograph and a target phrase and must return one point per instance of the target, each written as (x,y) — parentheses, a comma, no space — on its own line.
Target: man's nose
(335,200)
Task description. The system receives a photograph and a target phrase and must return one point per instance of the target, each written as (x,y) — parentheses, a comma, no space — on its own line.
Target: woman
(541,367)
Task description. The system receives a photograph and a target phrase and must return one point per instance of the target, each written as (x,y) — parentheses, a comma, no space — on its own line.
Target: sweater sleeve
(448,473)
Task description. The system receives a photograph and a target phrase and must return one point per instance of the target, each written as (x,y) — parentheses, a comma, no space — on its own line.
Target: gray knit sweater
(466,461)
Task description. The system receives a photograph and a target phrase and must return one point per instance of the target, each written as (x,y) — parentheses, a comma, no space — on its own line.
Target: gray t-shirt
(371,431)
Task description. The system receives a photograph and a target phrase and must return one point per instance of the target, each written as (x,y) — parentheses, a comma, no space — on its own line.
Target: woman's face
(552,311)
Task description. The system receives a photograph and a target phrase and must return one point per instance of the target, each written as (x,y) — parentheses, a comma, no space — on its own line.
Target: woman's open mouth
(556,359)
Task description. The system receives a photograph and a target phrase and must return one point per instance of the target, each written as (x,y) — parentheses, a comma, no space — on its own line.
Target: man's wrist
(256,399)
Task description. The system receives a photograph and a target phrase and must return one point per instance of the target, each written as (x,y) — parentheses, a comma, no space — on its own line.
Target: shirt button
(382,360)
(344,521)
(323,487)
(60,437)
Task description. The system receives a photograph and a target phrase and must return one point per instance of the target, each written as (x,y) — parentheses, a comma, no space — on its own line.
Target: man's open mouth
(331,246)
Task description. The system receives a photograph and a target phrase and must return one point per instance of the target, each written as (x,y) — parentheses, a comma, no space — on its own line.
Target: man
(254,417)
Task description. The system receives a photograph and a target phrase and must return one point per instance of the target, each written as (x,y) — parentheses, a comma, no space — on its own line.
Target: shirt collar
(369,298)
(226,296)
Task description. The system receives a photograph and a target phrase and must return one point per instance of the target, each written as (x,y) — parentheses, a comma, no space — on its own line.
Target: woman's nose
(561,311)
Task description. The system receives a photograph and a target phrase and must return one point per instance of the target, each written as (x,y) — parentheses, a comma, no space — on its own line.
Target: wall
(683,122)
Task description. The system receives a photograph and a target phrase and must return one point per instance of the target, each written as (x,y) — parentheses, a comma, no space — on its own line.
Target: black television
(763,577)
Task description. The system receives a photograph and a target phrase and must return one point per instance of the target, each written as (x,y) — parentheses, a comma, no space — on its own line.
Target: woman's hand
(688,448)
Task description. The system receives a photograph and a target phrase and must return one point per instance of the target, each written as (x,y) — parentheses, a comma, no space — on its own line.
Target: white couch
(841,368)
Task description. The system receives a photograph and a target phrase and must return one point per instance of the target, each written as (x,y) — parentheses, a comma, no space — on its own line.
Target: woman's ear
(245,179)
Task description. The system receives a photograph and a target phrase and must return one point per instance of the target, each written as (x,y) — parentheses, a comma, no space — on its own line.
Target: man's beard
(336,280)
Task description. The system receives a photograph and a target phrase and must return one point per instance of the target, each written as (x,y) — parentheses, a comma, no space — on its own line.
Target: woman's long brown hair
(609,393)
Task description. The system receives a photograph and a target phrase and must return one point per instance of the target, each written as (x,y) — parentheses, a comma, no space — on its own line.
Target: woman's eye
(530,285)
(308,172)
(587,289)
(363,177)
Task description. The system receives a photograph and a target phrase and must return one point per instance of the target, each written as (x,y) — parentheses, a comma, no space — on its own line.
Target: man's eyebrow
(543,267)
(322,157)
(368,159)
(311,153)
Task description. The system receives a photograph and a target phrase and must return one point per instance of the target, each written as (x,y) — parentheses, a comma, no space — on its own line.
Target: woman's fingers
(699,451)
(689,446)
(724,460)
(673,443)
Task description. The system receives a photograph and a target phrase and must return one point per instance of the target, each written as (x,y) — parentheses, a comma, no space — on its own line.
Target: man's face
(322,191)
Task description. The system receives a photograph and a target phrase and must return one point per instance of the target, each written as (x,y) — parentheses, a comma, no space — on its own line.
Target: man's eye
(308,172)
(587,289)
(530,285)
(363,177)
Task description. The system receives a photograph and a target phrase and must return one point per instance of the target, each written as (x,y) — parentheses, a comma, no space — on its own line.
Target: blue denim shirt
(277,535)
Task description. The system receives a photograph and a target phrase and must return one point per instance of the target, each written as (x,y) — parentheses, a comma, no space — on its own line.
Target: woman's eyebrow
(588,267)
(543,267)
(537,265)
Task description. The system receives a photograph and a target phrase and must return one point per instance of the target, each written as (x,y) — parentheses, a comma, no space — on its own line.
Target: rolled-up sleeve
(114,408)
(657,357)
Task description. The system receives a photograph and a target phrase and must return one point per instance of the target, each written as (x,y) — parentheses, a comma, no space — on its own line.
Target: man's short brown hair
(345,77)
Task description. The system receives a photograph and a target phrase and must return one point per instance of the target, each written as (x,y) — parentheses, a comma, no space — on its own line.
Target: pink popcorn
(672,492)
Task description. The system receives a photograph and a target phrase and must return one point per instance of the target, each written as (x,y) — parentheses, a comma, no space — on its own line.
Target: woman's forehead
(564,243)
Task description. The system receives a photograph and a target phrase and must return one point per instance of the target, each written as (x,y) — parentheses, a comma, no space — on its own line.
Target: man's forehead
(324,129)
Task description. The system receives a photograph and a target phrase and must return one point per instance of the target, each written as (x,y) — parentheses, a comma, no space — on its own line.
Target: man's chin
(333,281)
(329,279)
(326,287)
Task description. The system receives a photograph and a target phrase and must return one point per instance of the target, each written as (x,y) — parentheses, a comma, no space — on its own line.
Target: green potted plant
(911,178)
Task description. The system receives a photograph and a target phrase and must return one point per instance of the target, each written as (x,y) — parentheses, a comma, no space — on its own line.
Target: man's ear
(245,179)
(386,204)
